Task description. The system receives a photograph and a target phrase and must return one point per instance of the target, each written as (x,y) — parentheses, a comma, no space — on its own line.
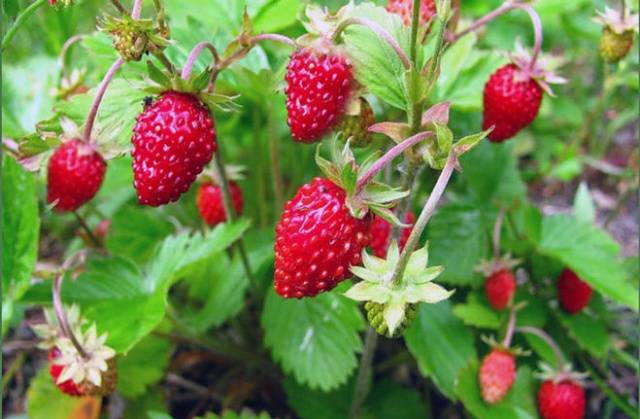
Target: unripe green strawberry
(376,319)
(356,127)
(615,46)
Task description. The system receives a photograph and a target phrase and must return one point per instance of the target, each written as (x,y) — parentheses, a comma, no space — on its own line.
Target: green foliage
(143,366)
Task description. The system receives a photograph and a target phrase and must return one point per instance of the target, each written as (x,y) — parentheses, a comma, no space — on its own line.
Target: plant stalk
(560,359)
(20,20)
(497,229)
(425,215)
(61,315)
(102,88)
(87,229)
(273,37)
(415,22)
(276,173)
(193,56)
(502,9)
(364,372)
(119,7)
(508,336)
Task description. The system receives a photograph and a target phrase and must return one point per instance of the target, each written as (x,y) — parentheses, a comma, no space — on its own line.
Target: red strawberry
(561,400)
(75,173)
(511,102)
(318,88)
(500,287)
(404,8)
(68,386)
(574,294)
(381,232)
(173,139)
(210,204)
(317,240)
(497,374)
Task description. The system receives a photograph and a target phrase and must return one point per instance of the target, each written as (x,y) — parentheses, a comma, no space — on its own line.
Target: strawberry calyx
(563,374)
(615,21)
(396,297)
(232,172)
(492,266)
(542,70)
(500,346)
(133,38)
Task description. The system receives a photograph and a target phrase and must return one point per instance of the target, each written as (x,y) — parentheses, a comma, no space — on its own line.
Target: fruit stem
(502,9)
(623,9)
(383,161)
(62,316)
(87,230)
(415,22)
(274,37)
(364,373)
(65,49)
(91,118)
(560,360)
(537,32)
(497,229)
(276,172)
(20,20)
(119,7)
(137,9)
(508,336)
(425,215)
(380,31)
(193,55)
(231,215)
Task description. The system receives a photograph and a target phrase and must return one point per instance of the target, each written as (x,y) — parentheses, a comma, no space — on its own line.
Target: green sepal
(156,75)
(201,81)
(467,143)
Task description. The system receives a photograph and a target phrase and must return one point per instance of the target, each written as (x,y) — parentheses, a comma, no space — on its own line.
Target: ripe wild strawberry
(74,175)
(511,102)
(497,374)
(404,8)
(562,399)
(381,233)
(500,287)
(173,139)
(319,85)
(317,240)
(67,386)
(210,204)
(573,293)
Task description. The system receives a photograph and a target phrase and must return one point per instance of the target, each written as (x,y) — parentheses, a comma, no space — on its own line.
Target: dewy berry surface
(173,139)
(317,241)
(318,88)
(74,175)
(511,102)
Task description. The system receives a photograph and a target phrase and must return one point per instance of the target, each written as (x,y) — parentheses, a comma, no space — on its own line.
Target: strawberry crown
(564,373)
(415,286)
(513,350)
(50,332)
(542,70)
(617,22)
(373,196)
(491,266)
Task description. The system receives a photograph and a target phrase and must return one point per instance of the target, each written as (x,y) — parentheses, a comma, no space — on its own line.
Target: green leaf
(46,401)
(441,344)
(376,63)
(142,366)
(20,231)
(458,241)
(583,207)
(152,403)
(317,404)
(589,332)
(316,339)
(276,15)
(391,400)
(476,312)
(136,233)
(590,253)
(518,404)
(492,174)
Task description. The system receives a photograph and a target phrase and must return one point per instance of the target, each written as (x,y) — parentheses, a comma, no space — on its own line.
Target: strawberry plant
(276,208)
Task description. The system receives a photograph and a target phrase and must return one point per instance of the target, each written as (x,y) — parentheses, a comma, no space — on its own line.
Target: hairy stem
(20,20)
(537,32)
(383,161)
(425,215)
(497,229)
(137,9)
(380,31)
(364,372)
(274,37)
(87,229)
(508,336)
(560,360)
(65,49)
(61,315)
(102,88)
(193,56)
(415,22)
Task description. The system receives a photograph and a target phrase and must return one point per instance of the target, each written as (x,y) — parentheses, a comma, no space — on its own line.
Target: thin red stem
(502,9)
(193,56)
(548,340)
(537,32)
(274,37)
(380,31)
(394,152)
(61,315)
(508,336)
(65,48)
(91,118)
(137,9)
(497,228)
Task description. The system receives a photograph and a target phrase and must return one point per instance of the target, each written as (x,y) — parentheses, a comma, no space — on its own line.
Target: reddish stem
(137,9)
(61,315)
(504,8)
(394,152)
(497,228)
(510,328)
(537,32)
(65,48)
(193,56)
(380,31)
(548,340)
(91,118)
(274,37)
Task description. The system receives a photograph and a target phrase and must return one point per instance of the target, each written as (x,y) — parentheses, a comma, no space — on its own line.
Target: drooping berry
(318,88)
(615,46)
(561,400)
(68,386)
(376,319)
(317,240)
(173,139)
(500,287)
(497,374)
(381,234)
(511,102)
(574,294)
(75,173)
(404,8)
(108,378)
(211,205)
